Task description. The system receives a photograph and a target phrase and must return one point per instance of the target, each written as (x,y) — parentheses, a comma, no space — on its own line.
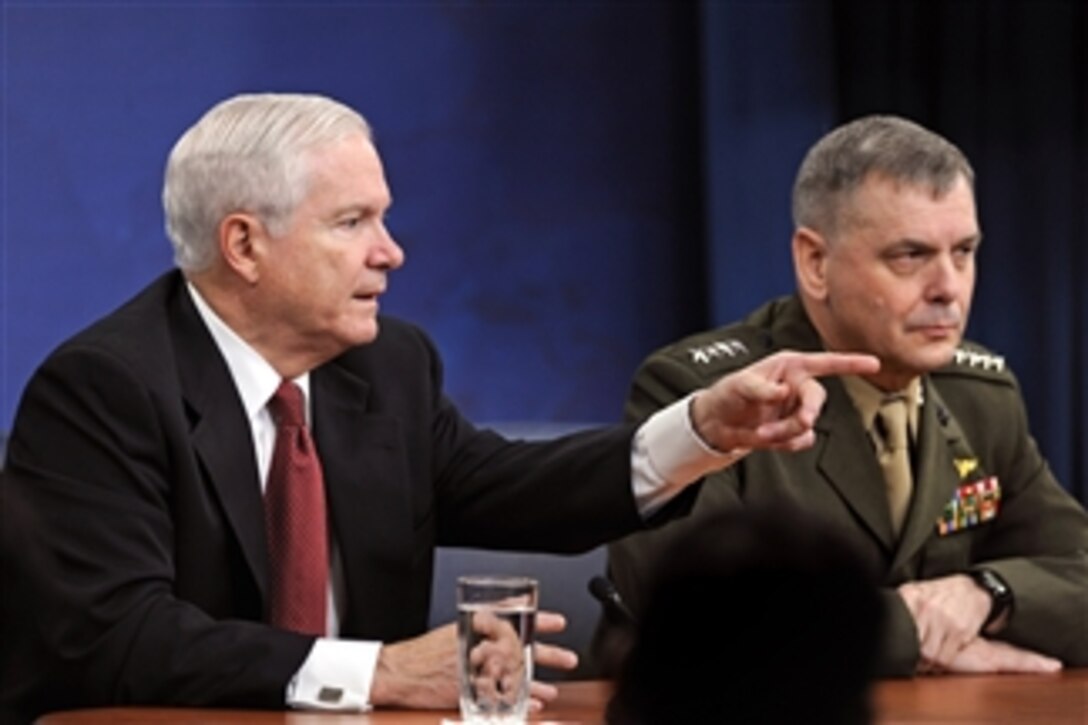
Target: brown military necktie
(894,456)
(295,522)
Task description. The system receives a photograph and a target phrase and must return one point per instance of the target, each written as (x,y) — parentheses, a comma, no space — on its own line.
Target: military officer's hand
(948,614)
(990,656)
(772,403)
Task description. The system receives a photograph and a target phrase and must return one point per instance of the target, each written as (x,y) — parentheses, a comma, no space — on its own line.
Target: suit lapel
(845,458)
(220,432)
(847,461)
(935,477)
(364,464)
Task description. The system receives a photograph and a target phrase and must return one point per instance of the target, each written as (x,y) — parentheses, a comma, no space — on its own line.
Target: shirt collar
(255,379)
(867,399)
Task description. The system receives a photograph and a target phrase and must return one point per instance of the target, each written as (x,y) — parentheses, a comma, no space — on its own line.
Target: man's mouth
(936,331)
(368,296)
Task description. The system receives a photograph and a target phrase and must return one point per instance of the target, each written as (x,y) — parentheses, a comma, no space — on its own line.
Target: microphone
(604,591)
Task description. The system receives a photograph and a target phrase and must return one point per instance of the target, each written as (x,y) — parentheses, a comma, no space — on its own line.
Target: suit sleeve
(565,495)
(90,470)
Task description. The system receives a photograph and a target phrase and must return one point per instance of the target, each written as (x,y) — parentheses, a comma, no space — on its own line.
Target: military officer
(981,553)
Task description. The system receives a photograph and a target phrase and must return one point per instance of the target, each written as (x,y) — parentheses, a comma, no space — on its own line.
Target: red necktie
(294,506)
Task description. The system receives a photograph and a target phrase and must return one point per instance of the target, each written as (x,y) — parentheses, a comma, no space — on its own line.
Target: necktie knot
(287,407)
(886,417)
(891,423)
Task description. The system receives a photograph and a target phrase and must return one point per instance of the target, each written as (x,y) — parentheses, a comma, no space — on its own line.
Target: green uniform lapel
(847,462)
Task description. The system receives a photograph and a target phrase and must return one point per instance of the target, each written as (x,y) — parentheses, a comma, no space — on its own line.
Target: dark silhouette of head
(754,617)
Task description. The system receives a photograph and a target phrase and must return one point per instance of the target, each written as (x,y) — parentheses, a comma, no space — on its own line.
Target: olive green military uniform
(983,495)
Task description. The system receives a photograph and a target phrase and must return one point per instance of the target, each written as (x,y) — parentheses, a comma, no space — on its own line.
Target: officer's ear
(810,262)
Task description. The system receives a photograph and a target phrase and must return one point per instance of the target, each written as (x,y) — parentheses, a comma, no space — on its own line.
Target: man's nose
(387,254)
(947,279)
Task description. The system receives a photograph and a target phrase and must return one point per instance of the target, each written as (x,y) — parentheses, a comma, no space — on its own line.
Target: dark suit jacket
(133,509)
(972,427)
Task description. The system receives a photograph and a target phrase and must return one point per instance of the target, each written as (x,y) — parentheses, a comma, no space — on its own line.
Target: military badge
(964,466)
(972,504)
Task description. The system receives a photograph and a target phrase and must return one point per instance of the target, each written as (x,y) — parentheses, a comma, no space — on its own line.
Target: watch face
(990,580)
(1000,594)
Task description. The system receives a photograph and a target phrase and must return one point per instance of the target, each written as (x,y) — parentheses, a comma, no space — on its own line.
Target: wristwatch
(1000,594)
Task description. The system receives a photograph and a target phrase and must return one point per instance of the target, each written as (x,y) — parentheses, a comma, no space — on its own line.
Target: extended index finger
(819,364)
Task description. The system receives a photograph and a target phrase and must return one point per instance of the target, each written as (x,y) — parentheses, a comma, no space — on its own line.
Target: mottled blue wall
(543,159)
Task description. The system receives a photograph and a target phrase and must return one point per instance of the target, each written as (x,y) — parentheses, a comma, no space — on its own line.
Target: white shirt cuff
(667,455)
(336,675)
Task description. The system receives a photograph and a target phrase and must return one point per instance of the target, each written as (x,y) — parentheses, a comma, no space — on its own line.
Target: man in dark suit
(983,556)
(144,570)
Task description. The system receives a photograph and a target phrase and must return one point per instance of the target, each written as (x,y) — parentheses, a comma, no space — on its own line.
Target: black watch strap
(1000,593)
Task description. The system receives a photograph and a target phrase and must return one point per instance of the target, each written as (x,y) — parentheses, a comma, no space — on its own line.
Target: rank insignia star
(975,359)
(721,348)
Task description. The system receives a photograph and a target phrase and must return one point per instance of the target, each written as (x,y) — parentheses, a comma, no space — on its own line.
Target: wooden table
(975,700)
(1060,699)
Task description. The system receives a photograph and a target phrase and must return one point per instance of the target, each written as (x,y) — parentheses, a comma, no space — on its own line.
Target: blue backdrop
(540,162)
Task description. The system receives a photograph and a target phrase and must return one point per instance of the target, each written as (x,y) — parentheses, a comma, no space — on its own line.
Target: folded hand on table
(983,656)
(949,613)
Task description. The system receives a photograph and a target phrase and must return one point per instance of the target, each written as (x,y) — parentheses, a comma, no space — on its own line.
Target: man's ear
(810,262)
(240,237)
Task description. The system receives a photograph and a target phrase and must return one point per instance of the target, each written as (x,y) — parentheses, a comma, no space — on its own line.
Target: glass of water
(496,617)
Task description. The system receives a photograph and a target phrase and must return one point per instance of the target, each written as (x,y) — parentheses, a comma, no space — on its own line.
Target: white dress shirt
(666,456)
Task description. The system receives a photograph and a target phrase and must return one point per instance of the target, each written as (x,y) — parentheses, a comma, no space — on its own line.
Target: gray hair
(890,146)
(247,154)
